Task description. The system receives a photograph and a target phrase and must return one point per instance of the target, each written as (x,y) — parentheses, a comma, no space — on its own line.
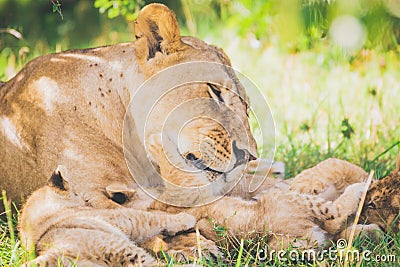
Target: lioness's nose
(242,155)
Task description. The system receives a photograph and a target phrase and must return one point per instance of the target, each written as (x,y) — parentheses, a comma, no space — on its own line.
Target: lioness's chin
(201,191)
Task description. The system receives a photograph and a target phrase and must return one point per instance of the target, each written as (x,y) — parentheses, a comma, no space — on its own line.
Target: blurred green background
(328,68)
(294,24)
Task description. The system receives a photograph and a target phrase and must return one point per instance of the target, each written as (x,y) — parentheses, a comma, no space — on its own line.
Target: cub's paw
(40,261)
(190,253)
(350,200)
(355,190)
(181,222)
(186,247)
(140,259)
(308,186)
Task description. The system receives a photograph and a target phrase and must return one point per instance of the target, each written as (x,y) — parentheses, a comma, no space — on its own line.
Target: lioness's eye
(215,92)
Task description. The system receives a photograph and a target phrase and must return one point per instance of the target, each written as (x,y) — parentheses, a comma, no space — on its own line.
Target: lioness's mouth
(199,164)
(242,157)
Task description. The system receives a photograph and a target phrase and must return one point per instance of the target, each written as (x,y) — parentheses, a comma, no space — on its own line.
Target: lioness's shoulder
(71,67)
(120,49)
(90,57)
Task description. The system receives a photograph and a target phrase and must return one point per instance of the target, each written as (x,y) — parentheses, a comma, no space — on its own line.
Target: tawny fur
(183,247)
(382,203)
(311,220)
(80,126)
(301,209)
(328,179)
(58,226)
(75,119)
(68,109)
(293,209)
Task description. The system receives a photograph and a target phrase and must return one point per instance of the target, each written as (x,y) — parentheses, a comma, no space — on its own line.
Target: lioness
(68,109)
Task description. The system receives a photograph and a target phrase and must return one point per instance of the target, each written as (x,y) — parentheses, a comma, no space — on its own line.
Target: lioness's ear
(157,30)
(58,179)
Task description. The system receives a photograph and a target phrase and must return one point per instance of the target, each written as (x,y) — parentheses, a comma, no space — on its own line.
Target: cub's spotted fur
(283,210)
(382,204)
(287,216)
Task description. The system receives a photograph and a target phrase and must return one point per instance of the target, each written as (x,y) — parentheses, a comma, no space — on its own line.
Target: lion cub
(57,224)
(310,220)
(290,210)
(382,204)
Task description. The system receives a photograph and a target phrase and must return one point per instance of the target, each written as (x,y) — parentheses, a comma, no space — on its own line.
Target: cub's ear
(59,179)
(157,30)
(120,193)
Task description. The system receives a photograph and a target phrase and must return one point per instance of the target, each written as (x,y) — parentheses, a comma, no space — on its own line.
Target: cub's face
(382,204)
(61,194)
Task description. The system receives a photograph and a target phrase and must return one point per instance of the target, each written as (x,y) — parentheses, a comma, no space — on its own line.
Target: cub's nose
(242,155)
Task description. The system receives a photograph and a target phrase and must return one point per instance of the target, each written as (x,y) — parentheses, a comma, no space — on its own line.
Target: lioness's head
(382,204)
(197,125)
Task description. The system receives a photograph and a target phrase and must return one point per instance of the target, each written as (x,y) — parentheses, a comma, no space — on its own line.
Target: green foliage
(296,24)
(57,7)
(346,129)
(114,8)
(11,253)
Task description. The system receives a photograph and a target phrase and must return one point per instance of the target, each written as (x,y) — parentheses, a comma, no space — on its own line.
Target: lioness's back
(54,94)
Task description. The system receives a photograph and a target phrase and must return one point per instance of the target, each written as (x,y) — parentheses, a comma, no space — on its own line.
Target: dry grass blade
(198,243)
(13,32)
(360,205)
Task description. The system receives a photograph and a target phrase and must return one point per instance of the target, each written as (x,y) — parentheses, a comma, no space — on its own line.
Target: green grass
(11,252)
(325,103)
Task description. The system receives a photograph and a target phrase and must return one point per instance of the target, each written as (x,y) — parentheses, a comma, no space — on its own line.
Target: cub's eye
(215,92)
(119,198)
(371,205)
